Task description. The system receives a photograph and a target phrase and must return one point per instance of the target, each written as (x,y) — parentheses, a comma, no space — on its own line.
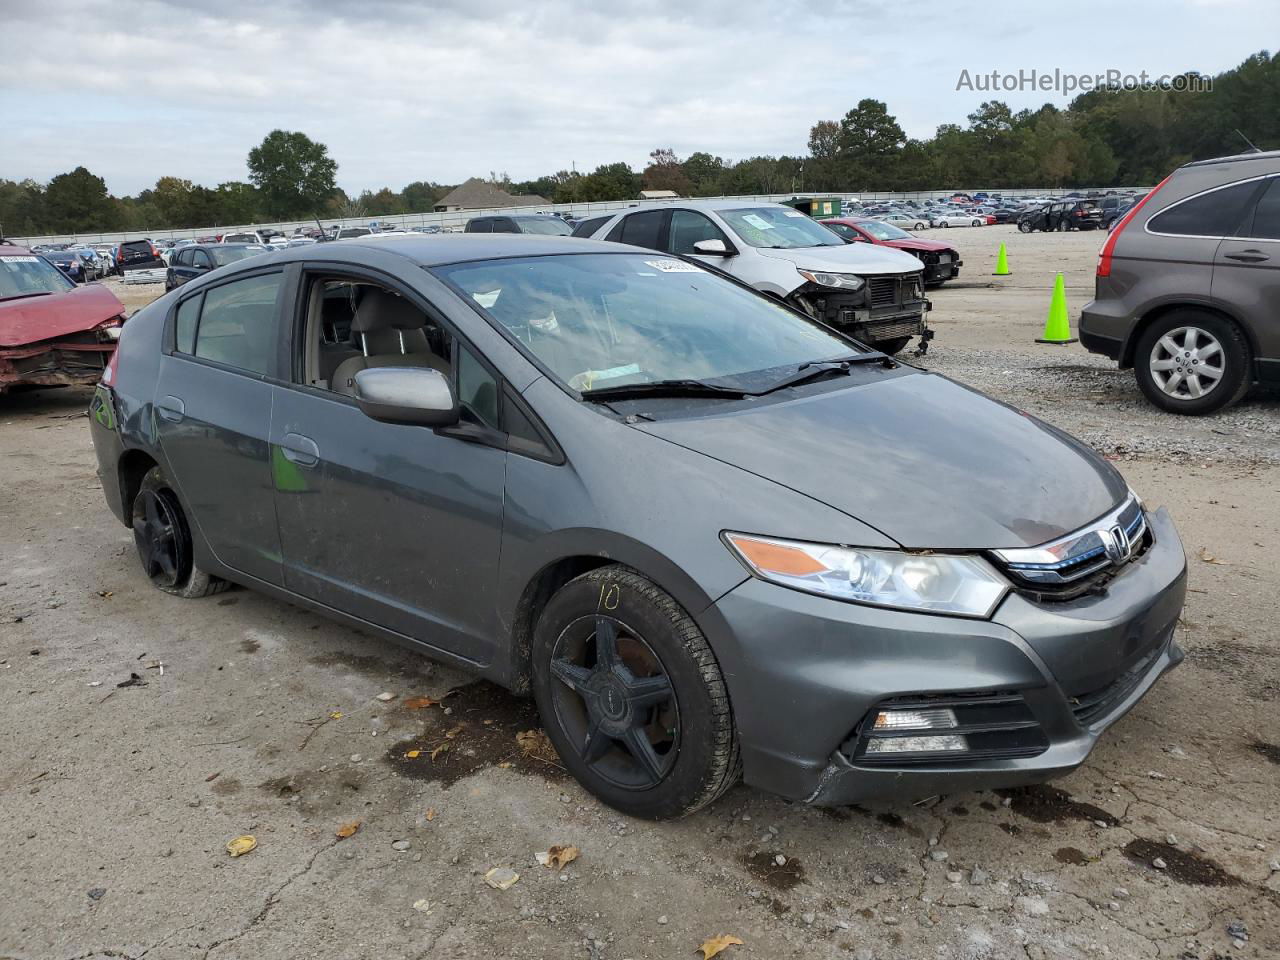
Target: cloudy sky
(403,91)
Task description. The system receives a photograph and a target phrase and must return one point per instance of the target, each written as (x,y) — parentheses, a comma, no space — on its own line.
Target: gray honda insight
(710,536)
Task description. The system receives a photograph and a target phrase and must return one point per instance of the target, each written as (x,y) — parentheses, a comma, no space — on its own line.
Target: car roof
(13,250)
(1237,158)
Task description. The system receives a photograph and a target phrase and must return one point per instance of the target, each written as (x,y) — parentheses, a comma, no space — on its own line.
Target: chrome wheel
(615,702)
(1187,363)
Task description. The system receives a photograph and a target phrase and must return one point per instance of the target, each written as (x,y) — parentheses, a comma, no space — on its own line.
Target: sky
(402,91)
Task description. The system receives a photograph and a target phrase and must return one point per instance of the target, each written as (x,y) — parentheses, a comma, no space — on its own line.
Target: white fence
(457,219)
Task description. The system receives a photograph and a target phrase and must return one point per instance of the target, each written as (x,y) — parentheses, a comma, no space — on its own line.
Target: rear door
(1246,275)
(213,414)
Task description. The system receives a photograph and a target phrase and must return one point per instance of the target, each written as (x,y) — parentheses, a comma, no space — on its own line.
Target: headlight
(934,583)
(843,281)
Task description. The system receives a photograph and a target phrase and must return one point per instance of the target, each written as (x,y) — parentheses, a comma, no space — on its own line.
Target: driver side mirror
(711,248)
(419,396)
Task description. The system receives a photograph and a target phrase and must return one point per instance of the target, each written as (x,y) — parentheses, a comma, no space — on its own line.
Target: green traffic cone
(1057,329)
(1002,263)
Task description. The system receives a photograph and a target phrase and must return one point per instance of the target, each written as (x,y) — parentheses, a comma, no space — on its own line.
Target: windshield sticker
(760,223)
(585,379)
(19,259)
(793,213)
(671,266)
(487,299)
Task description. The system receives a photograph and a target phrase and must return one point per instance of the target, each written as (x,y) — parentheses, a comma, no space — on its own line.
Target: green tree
(665,172)
(294,173)
(869,140)
(421,196)
(704,172)
(237,203)
(78,202)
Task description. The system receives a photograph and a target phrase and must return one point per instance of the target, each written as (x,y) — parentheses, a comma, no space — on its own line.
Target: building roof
(477,194)
(659,195)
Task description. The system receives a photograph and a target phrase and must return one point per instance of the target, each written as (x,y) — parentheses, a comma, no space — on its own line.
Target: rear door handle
(300,450)
(172,409)
(1248,256)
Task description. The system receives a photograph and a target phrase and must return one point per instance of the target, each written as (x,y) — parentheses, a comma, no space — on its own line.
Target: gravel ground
(117,801)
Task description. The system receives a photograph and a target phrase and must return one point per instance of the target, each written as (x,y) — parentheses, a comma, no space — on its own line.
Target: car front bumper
(805,673)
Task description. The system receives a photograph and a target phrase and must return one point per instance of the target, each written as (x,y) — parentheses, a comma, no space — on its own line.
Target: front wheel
(632,696)
(944,224)
(1024,226)
(163,539)
(1062,226)
(1192,362)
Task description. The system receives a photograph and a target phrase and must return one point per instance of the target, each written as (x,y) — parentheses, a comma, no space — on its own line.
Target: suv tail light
(1104,257)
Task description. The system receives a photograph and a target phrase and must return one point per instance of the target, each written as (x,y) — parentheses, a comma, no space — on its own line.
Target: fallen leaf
(420,703)
(412,754)
(505,765)
(347,829)
(536,743)
(422,906)
(558,856)
(716,944)
(212,777)
(335,715)
(501,878)
(241,845)
(443,748)
(105,594)
(1208,557)
(454,732)
(430,814)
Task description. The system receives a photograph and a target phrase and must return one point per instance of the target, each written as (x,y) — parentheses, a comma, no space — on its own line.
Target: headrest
(380,310)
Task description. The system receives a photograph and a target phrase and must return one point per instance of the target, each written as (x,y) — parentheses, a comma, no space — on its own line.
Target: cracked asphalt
(117,802)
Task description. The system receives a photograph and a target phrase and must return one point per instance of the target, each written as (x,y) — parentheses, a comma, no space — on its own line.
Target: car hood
(926,461)
(860,258)
(912,243)
(32,319)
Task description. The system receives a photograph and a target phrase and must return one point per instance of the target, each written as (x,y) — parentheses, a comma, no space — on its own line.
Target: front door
(398,525)
(213,411)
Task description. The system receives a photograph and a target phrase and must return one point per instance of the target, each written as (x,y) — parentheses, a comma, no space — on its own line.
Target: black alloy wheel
(161,537)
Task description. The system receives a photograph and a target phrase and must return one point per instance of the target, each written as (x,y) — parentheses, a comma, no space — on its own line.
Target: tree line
(1118,136)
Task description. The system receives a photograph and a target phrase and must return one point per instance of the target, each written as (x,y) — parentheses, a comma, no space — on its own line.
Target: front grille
(994,724)
(882,291)
(1089,707)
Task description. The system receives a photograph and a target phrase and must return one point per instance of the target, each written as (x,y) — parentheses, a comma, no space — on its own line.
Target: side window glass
(640,229)
(1266,218)
(238,323)
(1219,213)
(504,225)
(202,260)
(477,389)
(687,228)
(480,226)
(184,324)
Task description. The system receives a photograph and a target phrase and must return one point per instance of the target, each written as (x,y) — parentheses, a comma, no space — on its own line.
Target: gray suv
(1188,285)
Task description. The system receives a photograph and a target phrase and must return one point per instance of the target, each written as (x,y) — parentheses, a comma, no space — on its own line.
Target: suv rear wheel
(163,539)
(632,696)
(1024,226)
(1192,362)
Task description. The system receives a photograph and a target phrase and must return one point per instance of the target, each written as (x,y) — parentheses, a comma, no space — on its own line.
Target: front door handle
(1248,256)
(300,450)
(172,409)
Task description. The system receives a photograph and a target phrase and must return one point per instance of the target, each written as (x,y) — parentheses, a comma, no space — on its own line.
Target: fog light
(917,744)
(940,718)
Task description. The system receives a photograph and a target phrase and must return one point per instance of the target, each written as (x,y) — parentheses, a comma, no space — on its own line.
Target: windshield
(600,320)
(778,228)
(884,231)
(549,225)
(27,275)
(224,255)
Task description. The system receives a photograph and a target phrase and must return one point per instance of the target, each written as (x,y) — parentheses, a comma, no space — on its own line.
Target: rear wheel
(632,697)
(1192,362)
(163,539)
(896,345)
(1024,226)
(1062,226)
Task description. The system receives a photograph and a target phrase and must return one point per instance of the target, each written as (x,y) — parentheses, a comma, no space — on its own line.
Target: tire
(944,224)
(163,539)
(977,223)
(1062,226)
(1024,226)
(1153,350)
(695,758)
(919,226)
(896,345)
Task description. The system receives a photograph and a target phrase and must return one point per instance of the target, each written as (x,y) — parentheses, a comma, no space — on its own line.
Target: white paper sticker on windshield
(793,213)
(760,223)
(671,266)
(19,259)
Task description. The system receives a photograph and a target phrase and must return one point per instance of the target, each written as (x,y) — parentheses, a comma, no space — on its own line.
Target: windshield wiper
(23,296)
(662,388)
(817,369)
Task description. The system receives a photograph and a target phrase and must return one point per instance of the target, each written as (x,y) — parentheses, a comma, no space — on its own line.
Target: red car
(941,262)
(52,332)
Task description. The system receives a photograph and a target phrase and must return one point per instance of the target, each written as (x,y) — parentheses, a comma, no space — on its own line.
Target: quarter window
(185,324)
(1218,213)
(237,324)
(1266,218)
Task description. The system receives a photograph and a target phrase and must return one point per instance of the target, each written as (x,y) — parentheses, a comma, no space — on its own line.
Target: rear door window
(504,225)
(238,323)
(1218,213)
(185,324)
(1266,217)
(641,229)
